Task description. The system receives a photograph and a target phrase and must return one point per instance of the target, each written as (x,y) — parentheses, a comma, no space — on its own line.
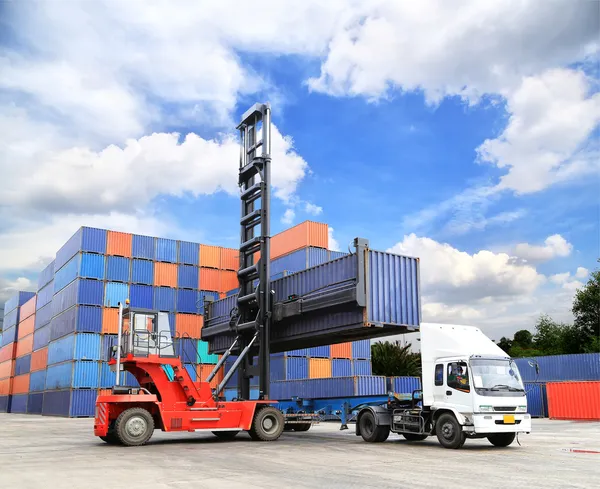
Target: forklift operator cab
(150,334)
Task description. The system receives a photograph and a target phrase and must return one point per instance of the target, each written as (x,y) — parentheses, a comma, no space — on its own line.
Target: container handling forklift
(167,397)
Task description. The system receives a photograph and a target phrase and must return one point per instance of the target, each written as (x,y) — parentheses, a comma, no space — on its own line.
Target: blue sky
(467,136)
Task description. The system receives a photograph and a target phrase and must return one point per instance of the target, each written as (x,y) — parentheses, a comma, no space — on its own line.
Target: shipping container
(5,402)
(341,367)
(108,378)
(43,316)
(581,366)
(108,341)
(46,276)
(39,359)
(115,293)
(119,244)
(230,259)
(187,301)
(319,368)
(41,337)
(19,403)
(209,279)
(203,371)
(361,349)
(82,265)
(369,385)
(79,346)
(361,367)
(203,355)
(141,296)
(189,325)
(80,292)
(76,374)
(44,296)
(405,385)
(143,247)
(341,350)
(299,260)
(10,319)
(23,365)
(210,256)
(574,400)
(188,253)
(202,295)
(164,299)
(118,269)
(70,403)
(313,388)
(191,368)
(77,319)
(25,345)
(26,327)
(8,352)
(27,309)
(15,301)
(165,274)
(35,402)
(187,350)
(142,272)
(306,234)
(9,335)
(7,370)
(21,384)
(37,381)
(537,401)
(298,368)
(320,352)
(166,250)
(85,239)
(187,277)
(229,280)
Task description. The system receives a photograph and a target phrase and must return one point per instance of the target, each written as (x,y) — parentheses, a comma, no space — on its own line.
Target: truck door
(458,386)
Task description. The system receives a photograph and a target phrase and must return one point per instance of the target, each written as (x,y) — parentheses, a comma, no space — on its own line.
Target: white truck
(470,389)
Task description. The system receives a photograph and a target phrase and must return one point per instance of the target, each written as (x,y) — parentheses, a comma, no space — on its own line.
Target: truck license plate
(509,419)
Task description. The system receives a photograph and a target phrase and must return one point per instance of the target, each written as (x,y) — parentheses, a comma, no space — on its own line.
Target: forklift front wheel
(134,427)
(267,425)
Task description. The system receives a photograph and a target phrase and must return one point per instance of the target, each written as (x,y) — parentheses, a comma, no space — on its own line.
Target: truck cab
(470,389)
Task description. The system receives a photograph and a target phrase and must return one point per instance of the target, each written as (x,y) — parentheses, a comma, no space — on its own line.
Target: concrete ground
(59,453)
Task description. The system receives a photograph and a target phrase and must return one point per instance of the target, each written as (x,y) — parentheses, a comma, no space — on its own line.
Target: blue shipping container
(44,296)
(187,350)
(107,378)
(41,337)
(70,403)
(114,293)
(313,388)
(43,316)
(5,402)
(82,319)
(9,335)
(35,403)
(80,346)
(361,367)
(17,300)
(202,295)
(81,291)
(188,253)
(187,301)
(341,367)
(143,247)
(118,268)
(164,299)
(142,272)
(191,368)
(73,375)
(11,318)
(296,368)
(140,296)
(19,403)
(557,368)
(187,277)
(320,352)
(23,365)
(369,385)
(46,275)
(537,400)
(166,250)
(299,260)
(361,349)
(85,239)
(37,381)
(406,385)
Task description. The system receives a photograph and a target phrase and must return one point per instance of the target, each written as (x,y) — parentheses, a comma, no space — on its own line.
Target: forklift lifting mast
(129,415)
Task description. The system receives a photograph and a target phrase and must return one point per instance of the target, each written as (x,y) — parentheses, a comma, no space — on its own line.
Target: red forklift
(167,397)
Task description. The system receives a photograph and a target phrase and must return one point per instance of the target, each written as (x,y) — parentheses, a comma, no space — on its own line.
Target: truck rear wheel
(449,432)
(267,425)
(369,429)
(501,439)
(134,427)
(414,437)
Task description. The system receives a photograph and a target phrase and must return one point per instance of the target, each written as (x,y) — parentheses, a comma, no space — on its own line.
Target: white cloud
(313,209)
(551,117)
(554,246)
(560,278)
(582,272)
(332,243)
(8,288)
(288,216)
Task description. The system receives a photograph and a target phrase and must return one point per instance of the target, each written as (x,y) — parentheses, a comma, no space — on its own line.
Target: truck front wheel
(449,432)
(370,430)
(501,439)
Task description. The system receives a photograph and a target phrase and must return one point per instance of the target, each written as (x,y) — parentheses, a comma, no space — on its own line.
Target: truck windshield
(496,375)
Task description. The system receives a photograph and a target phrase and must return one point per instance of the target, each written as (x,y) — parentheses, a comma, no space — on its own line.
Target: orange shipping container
(7,369)
(26,327)
(104,392)
(110,320)
(188,324)
(229,281)
(6,386)
(209,279)
(165,274)
(341,350)
(119,244)
(203,371)
(230,259)
(319,368)
(25,346)
(21,384)
(574,400)
(8,352)
(28,308)
(39,359)
(210,256)
(308,233)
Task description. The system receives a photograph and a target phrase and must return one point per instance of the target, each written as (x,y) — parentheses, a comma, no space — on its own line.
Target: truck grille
(505,408)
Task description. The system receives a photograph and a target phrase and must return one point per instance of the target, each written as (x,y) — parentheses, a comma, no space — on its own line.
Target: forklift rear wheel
(414,437)
(449,432)
(134,427)
(501,439)
(302,427)
(225,435)
(371,431)
(267,425)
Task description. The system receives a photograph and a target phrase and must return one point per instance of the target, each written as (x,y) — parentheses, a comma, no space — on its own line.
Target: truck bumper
(500,423)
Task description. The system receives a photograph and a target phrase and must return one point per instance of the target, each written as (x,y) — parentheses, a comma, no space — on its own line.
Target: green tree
(523,338)
(505,344)
(392,359)
(586,309)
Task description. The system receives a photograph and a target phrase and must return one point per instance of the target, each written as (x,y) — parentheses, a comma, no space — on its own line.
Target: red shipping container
(39,359)
(230,259)
(165,274)
(574,400)
(188,324)
(6,386)
(28,308)
(341,350)
(119,244)
(229,281)
(21,384)
(26,327)
(8,352)
(209,279)
(7,369)
(24,346)
(210,256)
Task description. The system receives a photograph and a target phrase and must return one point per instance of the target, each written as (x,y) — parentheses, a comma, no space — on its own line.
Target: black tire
(134,427)
(302,427)
(414,437)
(369,429)
(501,439)
(267,425)
(225,435)
(449,432)
(110,438)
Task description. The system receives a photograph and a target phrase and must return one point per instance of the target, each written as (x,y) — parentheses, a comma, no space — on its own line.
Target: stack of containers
(8,348)
(20,388)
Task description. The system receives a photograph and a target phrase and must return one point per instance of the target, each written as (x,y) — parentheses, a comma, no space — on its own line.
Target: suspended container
(306,234)
(85,239)
(299,260)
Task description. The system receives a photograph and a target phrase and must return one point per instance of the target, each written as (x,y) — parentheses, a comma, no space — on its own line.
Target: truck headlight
(522,409)
(486,409)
